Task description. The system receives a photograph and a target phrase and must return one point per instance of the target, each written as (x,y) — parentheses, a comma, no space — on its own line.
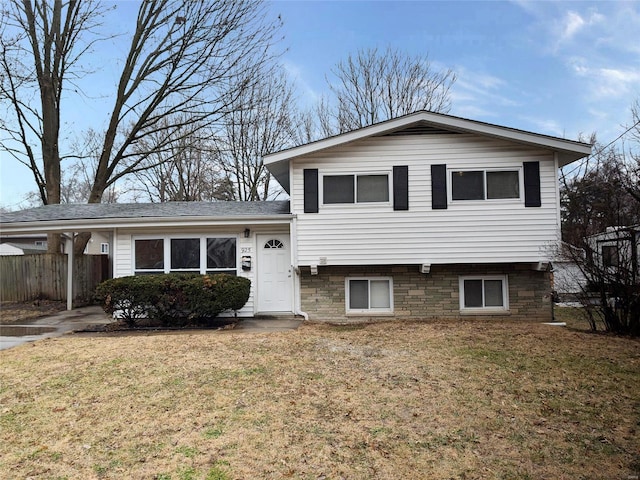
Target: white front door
(274,274)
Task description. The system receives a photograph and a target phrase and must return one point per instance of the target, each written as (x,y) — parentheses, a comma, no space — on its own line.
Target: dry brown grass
(386,401)
(21,312)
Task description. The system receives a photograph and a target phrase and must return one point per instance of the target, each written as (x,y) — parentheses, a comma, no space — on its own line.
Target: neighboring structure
(14,248)
(568,277)
(23,244)
(423,216)
(28,244)
(617,252)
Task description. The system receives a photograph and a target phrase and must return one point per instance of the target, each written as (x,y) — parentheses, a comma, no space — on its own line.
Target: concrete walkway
(52,326)
(83,318)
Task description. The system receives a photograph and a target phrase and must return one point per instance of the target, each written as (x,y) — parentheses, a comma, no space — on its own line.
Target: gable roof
(427,122)
(111,215)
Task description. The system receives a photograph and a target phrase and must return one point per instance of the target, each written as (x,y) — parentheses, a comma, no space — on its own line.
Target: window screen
(358,294)
(467,185)
(473,293)
(373,188)
(379,290)
(338,189)
(503,185)
(149,254)
(185,254)
(221,253)
(493,293)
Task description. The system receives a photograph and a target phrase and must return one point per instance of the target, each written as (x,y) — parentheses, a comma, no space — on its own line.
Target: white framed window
(356,188)
(148,256)
(104,248)
(186,254)
(484,294)
(489,184)
(369,295)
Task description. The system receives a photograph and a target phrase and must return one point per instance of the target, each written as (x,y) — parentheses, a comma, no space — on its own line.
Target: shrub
(173,299)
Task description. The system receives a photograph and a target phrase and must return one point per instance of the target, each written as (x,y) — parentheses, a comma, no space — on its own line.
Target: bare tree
(41,46)
(375,85)
(260,123)
(600,205)
(77,178)
(184,172)
(598,195)
(183,58)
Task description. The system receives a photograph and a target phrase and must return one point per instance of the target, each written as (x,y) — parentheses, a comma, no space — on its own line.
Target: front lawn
(385,401)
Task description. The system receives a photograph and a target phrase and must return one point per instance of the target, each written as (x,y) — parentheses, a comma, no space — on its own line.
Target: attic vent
(419,129)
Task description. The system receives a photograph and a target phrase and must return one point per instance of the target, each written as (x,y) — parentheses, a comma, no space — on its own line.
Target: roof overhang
(567,151)
(96,225)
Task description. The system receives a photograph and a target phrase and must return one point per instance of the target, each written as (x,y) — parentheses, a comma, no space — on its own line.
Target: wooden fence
(28,277)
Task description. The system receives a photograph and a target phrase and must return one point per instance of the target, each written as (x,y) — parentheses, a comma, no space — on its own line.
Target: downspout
(297,297)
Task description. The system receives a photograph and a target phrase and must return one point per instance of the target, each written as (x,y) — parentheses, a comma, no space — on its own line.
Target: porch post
(69,248)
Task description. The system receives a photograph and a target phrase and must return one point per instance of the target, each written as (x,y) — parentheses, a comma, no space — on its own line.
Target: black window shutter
(401,188)
(532,184)
(310,190)
(439,186)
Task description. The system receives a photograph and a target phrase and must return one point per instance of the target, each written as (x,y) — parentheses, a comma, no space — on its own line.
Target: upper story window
(485,184)
(361,188)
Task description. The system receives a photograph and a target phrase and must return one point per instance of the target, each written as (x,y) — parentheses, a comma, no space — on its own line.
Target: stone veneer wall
(420,296)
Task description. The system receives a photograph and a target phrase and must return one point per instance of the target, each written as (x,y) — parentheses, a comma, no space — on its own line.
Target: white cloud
(310,96)
(574,24)
(607,82)
(571,24)
(546,125)
(479,95)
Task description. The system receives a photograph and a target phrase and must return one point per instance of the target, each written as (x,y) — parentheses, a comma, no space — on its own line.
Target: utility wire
(586,159)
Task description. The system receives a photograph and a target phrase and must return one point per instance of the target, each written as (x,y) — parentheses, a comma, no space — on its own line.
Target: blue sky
(557,68)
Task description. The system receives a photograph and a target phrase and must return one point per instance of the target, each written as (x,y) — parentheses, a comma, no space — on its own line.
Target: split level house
(420,217)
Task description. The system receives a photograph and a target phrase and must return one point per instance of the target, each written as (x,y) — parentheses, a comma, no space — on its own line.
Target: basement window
(484,294)
(369,295)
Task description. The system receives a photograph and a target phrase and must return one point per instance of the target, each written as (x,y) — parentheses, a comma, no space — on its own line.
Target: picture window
(198,254)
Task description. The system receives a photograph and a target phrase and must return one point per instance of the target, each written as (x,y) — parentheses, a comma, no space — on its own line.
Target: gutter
(82,225)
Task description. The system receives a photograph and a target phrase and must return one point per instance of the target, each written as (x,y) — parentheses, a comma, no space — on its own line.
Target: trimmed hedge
(173,299)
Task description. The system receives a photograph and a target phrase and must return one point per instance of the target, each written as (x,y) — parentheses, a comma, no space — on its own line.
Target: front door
(274,274)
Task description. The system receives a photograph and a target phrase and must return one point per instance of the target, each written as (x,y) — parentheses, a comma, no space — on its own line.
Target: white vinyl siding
(477,231)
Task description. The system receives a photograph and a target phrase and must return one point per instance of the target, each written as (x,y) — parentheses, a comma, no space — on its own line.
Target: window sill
(370,313)
(484,311)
